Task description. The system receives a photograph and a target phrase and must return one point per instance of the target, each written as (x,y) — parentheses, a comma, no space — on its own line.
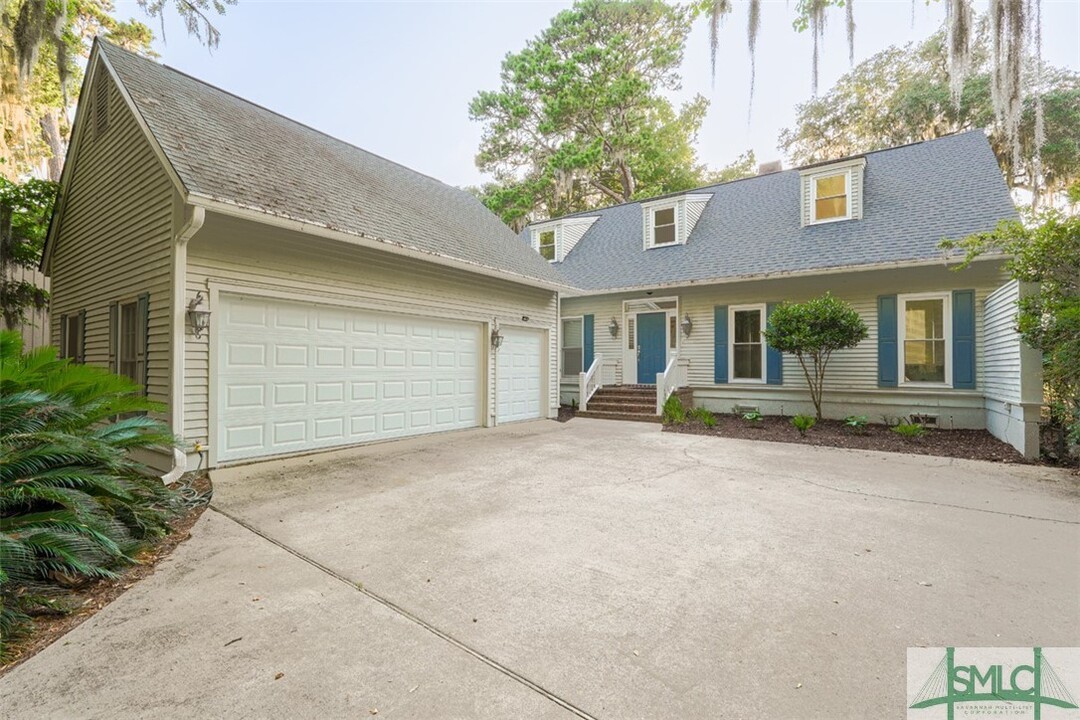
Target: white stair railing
(667,382)
(589,382)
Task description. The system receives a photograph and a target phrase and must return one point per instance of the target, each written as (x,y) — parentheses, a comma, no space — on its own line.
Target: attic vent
(767,168)
(101,107)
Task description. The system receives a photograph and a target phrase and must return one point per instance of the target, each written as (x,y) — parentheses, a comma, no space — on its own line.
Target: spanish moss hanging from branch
(1015,28)
(753,25)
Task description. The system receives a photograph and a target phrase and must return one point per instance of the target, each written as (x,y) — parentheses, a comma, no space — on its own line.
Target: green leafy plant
(803,423)
(705,416)
(1044,254)
(909,430)
(74,503)
(856,423)
(812,331)
(753,417)
(674,412)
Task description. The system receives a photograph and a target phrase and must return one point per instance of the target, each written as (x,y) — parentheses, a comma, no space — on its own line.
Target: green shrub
(909,430)
(856,423)
(752,417)
(705,416)
(812,331)
(674,412)
(803,423)
(74,504)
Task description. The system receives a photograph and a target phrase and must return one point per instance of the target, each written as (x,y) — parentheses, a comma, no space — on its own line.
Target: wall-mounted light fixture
(687,324)
(496,337)
(613,327)
(198,314)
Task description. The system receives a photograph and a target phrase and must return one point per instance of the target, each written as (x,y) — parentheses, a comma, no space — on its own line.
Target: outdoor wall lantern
(613,327)
(687,325)
(198,314)
(496,337)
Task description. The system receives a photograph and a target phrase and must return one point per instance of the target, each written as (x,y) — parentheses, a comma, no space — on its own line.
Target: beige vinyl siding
(115,234)
(694,208)
(1002,344)
(571,233)
(231,255)
(854,369)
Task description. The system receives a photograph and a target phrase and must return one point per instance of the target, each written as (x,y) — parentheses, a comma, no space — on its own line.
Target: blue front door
(652,346)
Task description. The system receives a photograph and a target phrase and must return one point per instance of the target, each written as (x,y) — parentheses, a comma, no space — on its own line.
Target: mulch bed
(967,444)
(86,600)
(566,413)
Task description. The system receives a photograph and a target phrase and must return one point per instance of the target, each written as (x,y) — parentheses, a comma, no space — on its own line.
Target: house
(673,292)
(279,290)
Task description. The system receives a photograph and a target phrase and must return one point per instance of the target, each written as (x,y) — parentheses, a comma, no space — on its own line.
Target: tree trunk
(50,132)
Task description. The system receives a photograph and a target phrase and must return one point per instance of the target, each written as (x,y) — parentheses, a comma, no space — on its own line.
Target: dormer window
(554,239)
(831,195)
(546,244)
(664,226)
(670,221)
(833,192)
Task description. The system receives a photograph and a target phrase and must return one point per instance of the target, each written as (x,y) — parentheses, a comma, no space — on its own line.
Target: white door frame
(630,310)
(545,370)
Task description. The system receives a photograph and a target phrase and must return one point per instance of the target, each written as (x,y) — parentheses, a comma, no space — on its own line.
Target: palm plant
(75,503)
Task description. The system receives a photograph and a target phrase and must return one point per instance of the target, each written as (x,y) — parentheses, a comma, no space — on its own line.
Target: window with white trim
(747,345)
(545,244)
(573,346)
(925,338)
(831,196)
(664,227)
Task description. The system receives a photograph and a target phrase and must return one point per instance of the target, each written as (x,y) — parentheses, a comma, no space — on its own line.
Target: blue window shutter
(587,341)
(774,359)
(720,343)
(963,339)
(886,341)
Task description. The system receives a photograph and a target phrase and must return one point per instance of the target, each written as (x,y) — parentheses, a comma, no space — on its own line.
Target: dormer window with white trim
(546,244)
(671,220)
(832,196)
(832,193)
(555,239)
(665,226)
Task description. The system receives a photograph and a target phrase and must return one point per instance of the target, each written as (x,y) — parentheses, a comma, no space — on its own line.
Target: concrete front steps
(623,402)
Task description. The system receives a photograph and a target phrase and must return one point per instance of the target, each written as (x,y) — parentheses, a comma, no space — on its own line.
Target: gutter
(782,275)
(194,223)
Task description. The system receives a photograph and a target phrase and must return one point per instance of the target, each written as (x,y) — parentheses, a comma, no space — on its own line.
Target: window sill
(746,381)
(830,220)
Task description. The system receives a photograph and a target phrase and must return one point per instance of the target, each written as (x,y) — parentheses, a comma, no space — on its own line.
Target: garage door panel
(293,376)
(519,385)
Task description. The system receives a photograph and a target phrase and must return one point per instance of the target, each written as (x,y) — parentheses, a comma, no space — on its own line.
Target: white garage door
(294,376)
(518,386)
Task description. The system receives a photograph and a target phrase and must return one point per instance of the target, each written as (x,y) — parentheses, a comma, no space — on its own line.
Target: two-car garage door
(294,376)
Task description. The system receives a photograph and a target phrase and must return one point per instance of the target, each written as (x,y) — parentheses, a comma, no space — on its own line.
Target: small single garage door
(518,383)
(293,376)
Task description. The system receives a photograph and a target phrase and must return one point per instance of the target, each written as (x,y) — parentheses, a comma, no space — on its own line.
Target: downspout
(178,339)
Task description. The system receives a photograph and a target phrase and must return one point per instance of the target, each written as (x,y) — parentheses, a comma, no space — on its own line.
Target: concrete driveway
(593,568)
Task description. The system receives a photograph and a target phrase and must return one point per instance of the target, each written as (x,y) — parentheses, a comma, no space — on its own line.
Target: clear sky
(396,78)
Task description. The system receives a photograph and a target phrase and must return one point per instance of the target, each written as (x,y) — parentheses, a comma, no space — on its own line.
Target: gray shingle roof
(914,196)
(226,148)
